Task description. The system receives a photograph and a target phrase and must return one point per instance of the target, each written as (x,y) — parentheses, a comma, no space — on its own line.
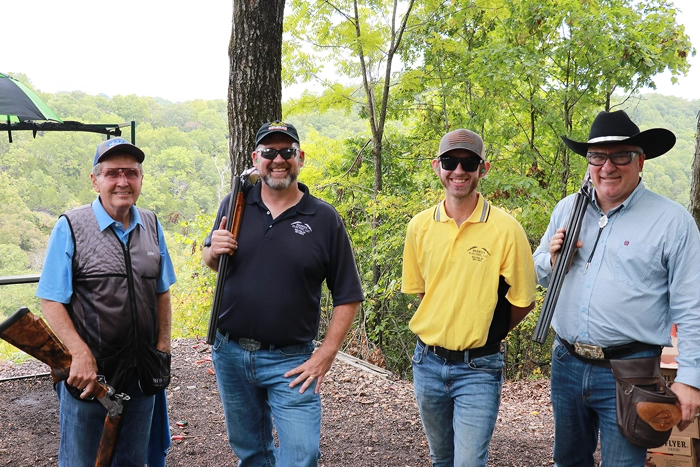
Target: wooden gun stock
(30,334)
(241,184)
(108,441)
(235,211)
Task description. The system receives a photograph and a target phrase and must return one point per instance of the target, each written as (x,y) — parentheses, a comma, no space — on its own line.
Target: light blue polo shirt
(56,281)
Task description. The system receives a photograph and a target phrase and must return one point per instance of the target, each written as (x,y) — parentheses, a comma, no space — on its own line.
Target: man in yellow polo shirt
(471,265)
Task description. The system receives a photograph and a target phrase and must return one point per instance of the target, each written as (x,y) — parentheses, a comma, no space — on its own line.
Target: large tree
(695,187)
(255,78)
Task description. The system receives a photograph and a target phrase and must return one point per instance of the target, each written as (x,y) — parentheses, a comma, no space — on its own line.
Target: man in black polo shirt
(288,244)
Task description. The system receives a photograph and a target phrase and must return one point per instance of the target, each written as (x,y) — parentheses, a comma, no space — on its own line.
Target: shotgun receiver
(241,185)
(30,334)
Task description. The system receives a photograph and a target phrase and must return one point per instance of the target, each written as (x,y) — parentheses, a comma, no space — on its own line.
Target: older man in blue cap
(105,291)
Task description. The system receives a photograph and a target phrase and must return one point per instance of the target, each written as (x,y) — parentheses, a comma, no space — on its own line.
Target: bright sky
(174,49)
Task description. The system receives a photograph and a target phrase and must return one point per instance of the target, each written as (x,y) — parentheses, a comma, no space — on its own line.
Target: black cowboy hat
(617,128)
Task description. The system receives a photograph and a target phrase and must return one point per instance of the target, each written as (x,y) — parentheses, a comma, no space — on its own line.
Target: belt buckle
(594,352)
(251,345)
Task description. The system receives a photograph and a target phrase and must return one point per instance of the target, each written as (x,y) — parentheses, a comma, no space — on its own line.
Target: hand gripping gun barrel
(241,185)
(561,267)
(30,334)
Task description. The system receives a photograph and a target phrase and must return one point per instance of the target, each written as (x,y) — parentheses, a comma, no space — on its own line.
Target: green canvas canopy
(22,109)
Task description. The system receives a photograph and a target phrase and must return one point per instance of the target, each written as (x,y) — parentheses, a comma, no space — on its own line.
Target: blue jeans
(458,404)
(254,391)
(81,429)
(583,399)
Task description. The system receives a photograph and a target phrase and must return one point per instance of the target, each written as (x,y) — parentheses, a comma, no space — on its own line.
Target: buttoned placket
(591,272)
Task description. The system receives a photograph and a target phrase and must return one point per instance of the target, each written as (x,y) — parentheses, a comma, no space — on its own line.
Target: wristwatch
(207,241)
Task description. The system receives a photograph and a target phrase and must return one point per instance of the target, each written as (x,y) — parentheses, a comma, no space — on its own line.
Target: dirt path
(368,419)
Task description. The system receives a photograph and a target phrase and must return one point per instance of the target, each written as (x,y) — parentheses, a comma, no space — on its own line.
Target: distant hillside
(669,175)
(187,167)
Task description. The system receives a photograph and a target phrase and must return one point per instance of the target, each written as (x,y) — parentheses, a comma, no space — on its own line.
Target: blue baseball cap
(117,145)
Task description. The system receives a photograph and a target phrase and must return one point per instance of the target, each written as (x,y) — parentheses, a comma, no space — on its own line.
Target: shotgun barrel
(561,267)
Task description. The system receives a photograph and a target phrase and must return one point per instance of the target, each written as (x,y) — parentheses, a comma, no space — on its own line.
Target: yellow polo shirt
(458,270)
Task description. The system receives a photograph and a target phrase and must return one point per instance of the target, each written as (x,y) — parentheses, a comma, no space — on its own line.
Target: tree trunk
(695,186)
(255,78)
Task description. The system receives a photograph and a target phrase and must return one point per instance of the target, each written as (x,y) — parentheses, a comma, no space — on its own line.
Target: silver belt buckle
(250,345)
(594,352)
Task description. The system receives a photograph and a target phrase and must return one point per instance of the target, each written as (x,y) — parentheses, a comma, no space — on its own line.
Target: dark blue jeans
(583,399)
(81,429)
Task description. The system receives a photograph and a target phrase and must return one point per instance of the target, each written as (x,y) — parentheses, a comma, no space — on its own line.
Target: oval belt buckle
(251,345)
(594,352)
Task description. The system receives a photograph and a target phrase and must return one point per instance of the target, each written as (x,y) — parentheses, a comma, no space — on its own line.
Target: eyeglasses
(617,158)
(115,174)
(271,154)
(469,164)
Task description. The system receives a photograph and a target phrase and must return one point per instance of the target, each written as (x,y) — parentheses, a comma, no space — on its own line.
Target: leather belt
(598,355)
(251,345)
(466,355)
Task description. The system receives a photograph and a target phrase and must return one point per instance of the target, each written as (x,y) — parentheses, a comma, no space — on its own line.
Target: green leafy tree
(361,39)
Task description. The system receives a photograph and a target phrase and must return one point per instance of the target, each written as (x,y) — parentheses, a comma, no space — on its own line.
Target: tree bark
(695,186)
(255,77)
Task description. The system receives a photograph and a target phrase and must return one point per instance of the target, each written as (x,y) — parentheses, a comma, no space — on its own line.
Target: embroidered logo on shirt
(301,228)
(478,253)
(150,253)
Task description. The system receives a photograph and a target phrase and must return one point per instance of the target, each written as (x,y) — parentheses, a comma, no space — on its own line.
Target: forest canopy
(521,74)
(186,174)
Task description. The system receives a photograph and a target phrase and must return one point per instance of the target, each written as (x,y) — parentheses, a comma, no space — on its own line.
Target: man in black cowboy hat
(634,274)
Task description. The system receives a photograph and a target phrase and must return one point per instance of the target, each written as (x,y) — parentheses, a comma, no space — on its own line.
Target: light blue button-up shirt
(56,281)
(644,276)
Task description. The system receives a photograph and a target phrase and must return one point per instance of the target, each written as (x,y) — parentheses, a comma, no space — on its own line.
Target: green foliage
(341,174)
(520,73)
(524,358)
(192,296)
(524,73)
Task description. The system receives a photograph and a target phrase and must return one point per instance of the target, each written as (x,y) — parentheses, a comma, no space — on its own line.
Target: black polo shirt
(273,282)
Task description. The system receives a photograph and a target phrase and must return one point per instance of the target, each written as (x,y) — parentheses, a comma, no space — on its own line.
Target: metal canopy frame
(109,129)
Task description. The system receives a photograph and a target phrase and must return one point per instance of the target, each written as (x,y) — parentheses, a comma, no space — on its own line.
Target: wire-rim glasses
(131,174)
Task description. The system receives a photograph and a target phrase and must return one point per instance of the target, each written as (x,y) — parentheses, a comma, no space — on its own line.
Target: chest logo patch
(301,228)
(478,253)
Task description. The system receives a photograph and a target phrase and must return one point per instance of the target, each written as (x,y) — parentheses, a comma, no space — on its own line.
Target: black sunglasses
(270,154)
(469,164)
